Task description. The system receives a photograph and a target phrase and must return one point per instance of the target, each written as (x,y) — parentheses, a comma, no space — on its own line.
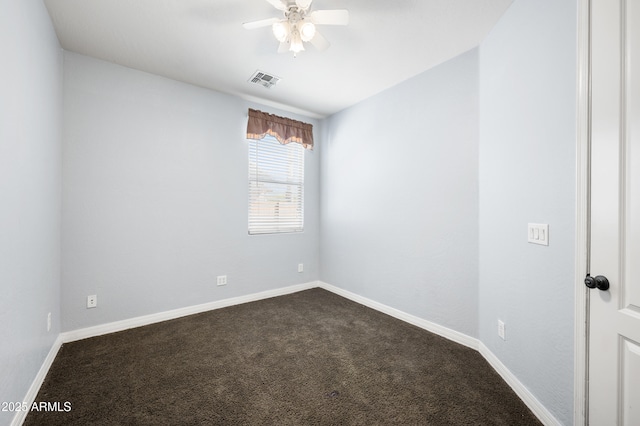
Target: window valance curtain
(285,130)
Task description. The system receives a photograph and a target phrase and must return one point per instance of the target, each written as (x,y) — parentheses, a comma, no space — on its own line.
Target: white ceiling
(202,42)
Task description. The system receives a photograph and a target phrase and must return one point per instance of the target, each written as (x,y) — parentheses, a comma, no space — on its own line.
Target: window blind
(276,187)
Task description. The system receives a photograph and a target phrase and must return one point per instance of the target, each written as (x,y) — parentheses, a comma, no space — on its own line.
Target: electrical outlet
(49,321)
(92,301)
(501,330)
(222,280)
(300,267)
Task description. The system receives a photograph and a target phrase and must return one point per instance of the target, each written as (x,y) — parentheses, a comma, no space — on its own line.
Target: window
(276,186)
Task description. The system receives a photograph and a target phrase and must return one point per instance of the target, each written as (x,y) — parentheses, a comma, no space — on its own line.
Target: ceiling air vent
(264,79)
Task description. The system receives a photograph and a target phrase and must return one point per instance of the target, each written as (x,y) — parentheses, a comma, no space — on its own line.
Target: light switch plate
(538,233)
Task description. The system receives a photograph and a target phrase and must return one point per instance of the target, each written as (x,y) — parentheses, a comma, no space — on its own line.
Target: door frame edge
(583,141)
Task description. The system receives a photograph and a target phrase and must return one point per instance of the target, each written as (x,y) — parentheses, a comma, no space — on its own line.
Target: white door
(614,314)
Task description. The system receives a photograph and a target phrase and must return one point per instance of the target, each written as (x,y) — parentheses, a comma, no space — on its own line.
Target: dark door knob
(600,282)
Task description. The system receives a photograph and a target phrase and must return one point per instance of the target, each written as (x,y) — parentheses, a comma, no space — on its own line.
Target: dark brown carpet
(309,358)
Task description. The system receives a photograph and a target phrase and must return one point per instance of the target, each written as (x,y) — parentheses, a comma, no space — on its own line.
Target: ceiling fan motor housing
(299,25)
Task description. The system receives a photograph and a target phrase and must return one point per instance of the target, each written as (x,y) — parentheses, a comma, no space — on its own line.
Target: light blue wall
(30,138)
(417,198)
(527,174)
(155,198)
(427,189)
(400,196)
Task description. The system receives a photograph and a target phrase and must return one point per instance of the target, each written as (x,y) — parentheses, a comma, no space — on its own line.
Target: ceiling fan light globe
(296,43)
(280,31)
(307,31)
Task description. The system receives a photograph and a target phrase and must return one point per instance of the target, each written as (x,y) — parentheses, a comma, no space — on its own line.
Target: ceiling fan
(299,24)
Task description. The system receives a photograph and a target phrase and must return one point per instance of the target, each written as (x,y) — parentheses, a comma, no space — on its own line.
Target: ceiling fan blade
(330,17)
(319,42)
(261,23)
(303,4)
(278,4)
(283,47)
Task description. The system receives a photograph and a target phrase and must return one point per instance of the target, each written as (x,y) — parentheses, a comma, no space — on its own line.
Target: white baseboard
(30,397)
(445,332)
(112,327)
(525,395)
